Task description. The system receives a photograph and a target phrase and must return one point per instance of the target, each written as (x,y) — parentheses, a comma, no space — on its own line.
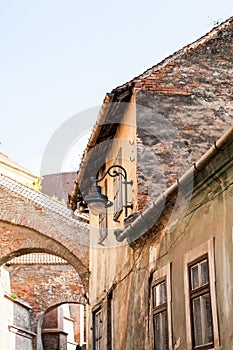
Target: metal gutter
(143,221)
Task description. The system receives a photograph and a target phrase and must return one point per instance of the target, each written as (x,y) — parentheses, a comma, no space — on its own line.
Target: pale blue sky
(61,57)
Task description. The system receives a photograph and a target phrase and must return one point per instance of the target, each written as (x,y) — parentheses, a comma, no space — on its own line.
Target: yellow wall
(111,260)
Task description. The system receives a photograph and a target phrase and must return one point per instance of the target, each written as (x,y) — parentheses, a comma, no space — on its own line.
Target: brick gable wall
(187,106)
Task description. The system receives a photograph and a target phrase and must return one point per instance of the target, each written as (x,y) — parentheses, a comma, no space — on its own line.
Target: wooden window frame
(110,321)
(118,190)
(103,220)
(198,292)
(162,274)
(159,309)
(206,248)
(97,342)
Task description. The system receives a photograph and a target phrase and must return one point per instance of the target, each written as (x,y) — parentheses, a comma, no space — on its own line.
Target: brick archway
(44,287)
(16,240)
(32,222)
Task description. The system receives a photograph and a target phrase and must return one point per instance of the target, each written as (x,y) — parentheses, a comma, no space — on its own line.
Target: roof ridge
(177,54)
(40,199)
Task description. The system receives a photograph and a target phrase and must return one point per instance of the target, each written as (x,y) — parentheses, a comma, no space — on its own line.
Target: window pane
(197,322)
(203,333)
(163,296)
(98,330)
(204,272)
(164,330)
(157,332)
(159,294)
(194,277)
(207,321)
(160,331)
(199,274)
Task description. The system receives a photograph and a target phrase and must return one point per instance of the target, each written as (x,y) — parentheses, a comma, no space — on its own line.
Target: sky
(59,58)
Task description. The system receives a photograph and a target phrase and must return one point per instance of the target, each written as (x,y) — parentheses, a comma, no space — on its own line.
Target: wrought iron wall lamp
(97,201)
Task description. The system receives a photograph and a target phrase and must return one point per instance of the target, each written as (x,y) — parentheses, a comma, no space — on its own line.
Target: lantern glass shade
(96,201)
(96,208)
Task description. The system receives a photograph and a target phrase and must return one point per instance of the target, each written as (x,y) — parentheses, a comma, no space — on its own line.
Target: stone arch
(17,240)
(44,287)
(31,222)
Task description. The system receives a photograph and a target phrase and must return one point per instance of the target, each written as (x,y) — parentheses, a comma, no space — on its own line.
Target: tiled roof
(37,259)
(58,185)
(42,200)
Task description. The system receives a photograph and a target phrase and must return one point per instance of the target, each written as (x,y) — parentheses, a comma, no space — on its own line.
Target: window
(200,304)
(103,225)
(110,331)
(160,321)
(117,187)
(97,329)
(200,298)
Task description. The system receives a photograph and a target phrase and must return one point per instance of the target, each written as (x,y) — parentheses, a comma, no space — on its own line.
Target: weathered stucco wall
(208,222)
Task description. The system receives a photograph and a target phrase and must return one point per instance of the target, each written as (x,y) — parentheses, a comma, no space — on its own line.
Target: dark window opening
(97,329)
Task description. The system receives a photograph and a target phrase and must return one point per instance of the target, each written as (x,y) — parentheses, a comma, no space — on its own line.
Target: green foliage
(14,296)
(56,199)
(36,185)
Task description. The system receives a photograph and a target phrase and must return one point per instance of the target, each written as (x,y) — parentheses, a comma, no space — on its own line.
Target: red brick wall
(44,286)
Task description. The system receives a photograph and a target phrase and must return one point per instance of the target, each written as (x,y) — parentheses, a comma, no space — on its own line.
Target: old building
(160,236)
(11,168)
(58,186)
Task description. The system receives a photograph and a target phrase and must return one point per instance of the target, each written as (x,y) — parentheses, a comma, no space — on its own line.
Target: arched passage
(32,222)
(43,286)
(27,226)
(17,240)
